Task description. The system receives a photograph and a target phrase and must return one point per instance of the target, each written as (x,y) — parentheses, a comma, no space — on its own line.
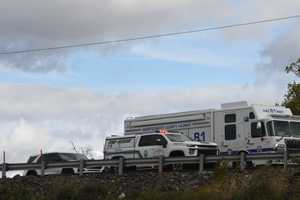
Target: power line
(150,36)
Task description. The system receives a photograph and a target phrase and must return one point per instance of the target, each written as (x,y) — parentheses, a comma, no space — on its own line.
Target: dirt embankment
(102,186)
(265,183)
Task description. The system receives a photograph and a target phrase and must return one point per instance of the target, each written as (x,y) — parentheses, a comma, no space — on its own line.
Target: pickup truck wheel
(67,172)
(31,173)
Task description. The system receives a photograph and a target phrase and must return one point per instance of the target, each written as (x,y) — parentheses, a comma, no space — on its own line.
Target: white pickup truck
(155,145)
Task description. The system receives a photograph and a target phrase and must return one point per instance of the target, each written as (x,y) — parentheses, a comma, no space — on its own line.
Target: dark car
(57,157)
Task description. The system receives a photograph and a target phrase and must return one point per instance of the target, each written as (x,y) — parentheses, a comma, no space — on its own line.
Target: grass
(262,184)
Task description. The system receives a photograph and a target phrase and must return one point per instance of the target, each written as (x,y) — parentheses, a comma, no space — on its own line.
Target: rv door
(231,141)
(257,140)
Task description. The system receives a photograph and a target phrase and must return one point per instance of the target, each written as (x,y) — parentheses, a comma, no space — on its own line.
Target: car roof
(49,153)
(34,157)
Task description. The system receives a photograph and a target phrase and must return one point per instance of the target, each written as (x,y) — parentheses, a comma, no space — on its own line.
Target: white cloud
(220,59)
(281,52)
(34,24)
(23,138)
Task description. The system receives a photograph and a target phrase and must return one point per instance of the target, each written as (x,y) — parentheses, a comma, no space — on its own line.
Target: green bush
(18,193)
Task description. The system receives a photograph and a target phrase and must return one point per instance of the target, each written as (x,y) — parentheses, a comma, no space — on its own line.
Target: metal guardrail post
(121,166)
(3,166)
(201,163)
(243,160)
(43,167)
(43,164)
(161,164)
(285,159)
(81,166)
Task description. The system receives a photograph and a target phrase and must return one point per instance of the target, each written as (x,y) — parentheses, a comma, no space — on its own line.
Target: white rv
(236,127)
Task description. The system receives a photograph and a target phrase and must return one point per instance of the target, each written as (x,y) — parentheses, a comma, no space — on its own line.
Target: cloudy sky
(50,98)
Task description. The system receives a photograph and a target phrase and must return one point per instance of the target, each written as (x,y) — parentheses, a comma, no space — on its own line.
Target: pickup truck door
(152,146)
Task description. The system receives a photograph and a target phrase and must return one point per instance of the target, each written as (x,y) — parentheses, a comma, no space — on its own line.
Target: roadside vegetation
(261,184)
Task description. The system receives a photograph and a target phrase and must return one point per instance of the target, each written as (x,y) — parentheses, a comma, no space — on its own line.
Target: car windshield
(31,159)
(178,137)
(286,128)
(72,156)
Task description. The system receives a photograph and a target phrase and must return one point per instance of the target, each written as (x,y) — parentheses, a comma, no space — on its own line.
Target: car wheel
(31,173)
(67,172)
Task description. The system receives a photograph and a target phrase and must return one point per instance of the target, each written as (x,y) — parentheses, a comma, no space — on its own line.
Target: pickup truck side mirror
(258,125)
(260,129)
(161,142)
(158,142)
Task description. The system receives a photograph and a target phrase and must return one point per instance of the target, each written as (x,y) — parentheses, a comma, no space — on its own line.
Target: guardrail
(156,162)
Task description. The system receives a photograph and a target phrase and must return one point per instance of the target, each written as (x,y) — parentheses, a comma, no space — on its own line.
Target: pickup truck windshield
(178,138)
(286,128)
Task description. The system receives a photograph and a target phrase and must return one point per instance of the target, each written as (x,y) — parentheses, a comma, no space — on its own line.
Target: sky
(52,98)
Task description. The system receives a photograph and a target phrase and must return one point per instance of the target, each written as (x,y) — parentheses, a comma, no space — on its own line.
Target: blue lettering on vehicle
(199,136)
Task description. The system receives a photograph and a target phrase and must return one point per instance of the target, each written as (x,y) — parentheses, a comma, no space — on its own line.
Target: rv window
(270,129)
(251,115)
(229,118)
(230,132)
(257,132)
(152,140)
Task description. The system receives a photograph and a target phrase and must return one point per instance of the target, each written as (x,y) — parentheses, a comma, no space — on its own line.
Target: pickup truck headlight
(280,147)
(192,151)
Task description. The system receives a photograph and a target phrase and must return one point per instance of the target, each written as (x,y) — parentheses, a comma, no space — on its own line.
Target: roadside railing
(159,162)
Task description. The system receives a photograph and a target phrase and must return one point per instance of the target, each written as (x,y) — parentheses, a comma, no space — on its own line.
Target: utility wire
(149,36)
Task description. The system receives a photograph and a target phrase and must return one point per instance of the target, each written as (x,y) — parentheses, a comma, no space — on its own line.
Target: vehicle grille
(208,152)
(292,144)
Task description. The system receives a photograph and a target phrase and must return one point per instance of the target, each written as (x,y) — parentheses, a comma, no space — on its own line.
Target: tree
(294,68)
(292,98)
(87,151)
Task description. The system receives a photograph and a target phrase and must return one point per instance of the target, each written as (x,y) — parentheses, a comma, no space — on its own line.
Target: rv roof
(170,115)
